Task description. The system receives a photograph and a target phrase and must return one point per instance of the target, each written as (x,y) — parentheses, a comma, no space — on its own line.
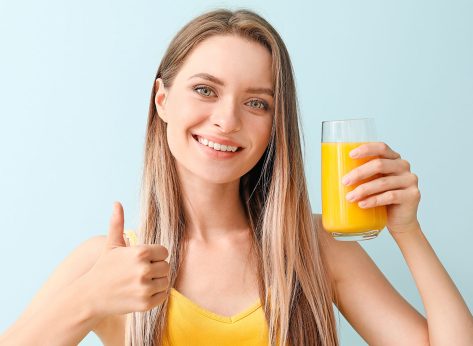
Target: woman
(225,199)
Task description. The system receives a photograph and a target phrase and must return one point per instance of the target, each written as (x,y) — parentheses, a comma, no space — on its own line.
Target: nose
(226,116)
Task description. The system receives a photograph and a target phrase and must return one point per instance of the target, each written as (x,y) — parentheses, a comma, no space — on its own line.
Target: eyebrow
(215,80)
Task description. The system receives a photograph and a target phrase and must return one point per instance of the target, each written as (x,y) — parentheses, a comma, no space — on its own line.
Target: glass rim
(345,120)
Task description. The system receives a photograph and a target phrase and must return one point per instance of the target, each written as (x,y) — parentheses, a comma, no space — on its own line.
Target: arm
(65,320)
(448,318)
(379,313)
(93,289)
(364,296)
(388,181)
(63,295)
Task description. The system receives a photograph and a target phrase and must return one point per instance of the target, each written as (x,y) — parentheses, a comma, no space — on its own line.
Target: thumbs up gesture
(126,279)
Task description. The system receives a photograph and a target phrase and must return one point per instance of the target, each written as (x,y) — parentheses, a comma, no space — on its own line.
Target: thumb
(115,230)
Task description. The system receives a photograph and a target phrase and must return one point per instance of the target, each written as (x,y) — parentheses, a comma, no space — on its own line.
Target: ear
(160,99)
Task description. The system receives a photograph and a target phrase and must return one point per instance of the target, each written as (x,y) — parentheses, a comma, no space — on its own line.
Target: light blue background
(75,81)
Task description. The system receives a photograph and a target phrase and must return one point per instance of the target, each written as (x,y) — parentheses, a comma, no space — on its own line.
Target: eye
(203,90)
(258,104)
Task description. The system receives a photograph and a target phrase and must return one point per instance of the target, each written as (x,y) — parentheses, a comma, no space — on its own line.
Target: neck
(213,211)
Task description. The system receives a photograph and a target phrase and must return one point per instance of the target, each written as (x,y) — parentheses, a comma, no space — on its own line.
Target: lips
(219,140)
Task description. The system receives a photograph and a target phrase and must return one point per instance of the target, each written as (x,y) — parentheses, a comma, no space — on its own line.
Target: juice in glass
(345,220)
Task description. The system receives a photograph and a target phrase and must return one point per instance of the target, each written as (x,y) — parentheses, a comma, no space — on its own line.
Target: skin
(398,190)
(218,265)
(197,105)
(217,225)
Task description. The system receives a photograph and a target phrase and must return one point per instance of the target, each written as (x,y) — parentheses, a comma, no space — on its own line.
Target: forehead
(231,58)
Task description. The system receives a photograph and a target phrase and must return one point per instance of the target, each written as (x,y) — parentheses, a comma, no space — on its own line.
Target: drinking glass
(343,219)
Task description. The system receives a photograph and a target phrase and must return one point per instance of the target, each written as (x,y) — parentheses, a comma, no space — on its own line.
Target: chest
(221,278)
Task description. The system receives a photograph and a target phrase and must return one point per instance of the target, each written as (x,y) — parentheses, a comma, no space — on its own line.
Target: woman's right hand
(127,279)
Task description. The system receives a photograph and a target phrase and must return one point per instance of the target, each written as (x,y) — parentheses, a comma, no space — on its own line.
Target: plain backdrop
(75,82)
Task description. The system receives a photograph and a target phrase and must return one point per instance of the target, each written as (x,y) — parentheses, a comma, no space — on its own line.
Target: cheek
(260,133)
(187,111)
(183,116)
(264,133)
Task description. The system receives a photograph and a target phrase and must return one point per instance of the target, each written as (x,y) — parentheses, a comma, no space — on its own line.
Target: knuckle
(167,267)
(383,182)
(159,297)
(391,196)
(143,277)
(407,164)
(163,251)
(360,190)
(161,269)
(148,291)
(354,175)
(163,281)
(378,164)
(145,271)
(415,179)
(142,252)
(162,297)
(384,146)
(160,284)
(151,289)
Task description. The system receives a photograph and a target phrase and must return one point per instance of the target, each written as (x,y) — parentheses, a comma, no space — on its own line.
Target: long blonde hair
(295,290)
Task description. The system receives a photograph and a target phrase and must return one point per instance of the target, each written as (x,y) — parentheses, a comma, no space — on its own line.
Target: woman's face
(221,94)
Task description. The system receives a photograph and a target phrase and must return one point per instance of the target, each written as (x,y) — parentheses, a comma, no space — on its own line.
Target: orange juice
(338,214)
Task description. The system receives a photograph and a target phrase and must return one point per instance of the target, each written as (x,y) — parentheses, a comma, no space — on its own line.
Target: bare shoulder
(338,253)
(365,296)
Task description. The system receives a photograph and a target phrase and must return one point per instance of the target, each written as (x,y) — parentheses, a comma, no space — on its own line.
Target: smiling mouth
(197,140)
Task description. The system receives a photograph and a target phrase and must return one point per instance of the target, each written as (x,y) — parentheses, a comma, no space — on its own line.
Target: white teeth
(216,146)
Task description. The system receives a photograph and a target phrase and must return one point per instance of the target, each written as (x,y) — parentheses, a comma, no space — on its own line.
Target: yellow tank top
(190,324)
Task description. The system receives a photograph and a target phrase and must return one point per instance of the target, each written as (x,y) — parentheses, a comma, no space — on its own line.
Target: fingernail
(345,180)
(354,153)
(350,196)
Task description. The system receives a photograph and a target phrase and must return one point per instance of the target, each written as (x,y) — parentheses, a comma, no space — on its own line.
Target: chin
(209,176)
(220,179)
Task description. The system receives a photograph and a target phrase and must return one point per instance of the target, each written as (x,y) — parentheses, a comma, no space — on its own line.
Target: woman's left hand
(396,188)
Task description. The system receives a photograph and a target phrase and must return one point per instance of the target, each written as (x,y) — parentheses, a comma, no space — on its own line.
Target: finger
(159,284)
(159,269)
(158,298)
(115,230)
(385,198)
(375,166)
(153,301)
(374,149)
(376,186)
(154,252)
